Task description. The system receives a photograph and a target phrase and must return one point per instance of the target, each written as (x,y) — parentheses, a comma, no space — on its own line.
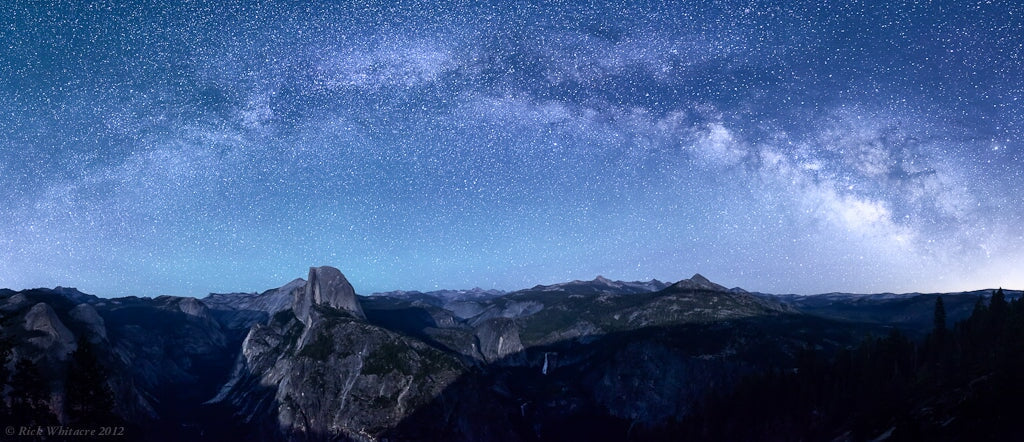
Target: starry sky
(169,147)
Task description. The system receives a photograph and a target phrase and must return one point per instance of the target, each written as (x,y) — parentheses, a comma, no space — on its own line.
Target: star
(805,148)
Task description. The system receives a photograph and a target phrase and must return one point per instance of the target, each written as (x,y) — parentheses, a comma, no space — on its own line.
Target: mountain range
(311,360)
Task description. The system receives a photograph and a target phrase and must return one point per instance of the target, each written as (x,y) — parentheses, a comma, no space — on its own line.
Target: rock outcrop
(91,319)
(326,373)
(193,307)
(326,286)
(270,301)
(698,282)
(52,335)
(240,311)
(498,338)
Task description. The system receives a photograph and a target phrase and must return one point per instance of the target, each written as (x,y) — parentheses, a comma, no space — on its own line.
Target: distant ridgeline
(581,360)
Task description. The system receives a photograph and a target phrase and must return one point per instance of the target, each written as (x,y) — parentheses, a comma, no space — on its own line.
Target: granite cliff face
(239,311)
(320,371)
(497,339)
(48,332)
(91,319)
(326,286)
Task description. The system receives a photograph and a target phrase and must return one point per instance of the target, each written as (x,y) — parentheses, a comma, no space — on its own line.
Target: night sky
(182,148)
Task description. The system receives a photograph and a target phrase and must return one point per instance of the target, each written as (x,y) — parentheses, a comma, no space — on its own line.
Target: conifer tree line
(959,383)
(88,398)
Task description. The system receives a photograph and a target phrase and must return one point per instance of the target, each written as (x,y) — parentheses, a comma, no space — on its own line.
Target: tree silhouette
(30,395)
(89,398)
(998,305)
(962,383)
(939,329)
(6,345)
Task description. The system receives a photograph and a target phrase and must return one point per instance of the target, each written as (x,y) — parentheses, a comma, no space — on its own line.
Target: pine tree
(30,395)
(980,309)
(89,398)
(939,320)
(998,305)
(5,374)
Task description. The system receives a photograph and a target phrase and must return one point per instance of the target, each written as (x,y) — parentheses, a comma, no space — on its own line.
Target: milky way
(182,148)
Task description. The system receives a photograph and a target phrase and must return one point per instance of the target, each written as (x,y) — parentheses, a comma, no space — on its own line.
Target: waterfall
(544,370)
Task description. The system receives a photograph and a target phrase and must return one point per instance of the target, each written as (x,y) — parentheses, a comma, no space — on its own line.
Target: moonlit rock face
(56,339)
(87,315)
(192,307)
(326,286)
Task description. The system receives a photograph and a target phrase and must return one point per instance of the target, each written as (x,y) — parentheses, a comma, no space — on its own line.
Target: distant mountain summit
(698,282)
(600,284)
(441,295)
(270,301)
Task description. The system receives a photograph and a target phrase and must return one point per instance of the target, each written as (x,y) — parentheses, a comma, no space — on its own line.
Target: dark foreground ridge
(582,360)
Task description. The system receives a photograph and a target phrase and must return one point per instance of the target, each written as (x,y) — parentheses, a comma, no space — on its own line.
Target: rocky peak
(193,307)
(326,286)
(698,282)
(15,302)
(56,339)
(73,294)
(270,301)
(87,315)
(290,288)
(699,279)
